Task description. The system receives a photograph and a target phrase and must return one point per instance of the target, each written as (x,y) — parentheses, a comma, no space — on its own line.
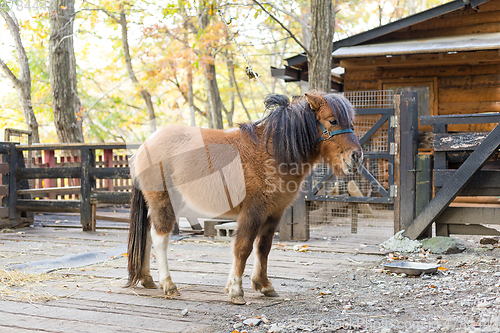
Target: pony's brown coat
(254,184)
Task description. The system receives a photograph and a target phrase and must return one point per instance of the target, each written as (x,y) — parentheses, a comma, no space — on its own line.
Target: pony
(251,174)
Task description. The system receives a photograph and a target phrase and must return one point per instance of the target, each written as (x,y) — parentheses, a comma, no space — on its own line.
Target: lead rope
(251,74)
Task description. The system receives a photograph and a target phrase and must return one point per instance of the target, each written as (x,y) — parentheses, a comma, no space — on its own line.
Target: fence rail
(86,173)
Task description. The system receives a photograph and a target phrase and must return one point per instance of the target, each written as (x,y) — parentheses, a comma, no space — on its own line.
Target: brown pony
(251,173)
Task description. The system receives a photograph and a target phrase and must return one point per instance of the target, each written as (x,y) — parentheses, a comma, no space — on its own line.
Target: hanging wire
(249,71)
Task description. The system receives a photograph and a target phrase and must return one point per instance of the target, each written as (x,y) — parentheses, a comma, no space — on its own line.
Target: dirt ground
(333,284)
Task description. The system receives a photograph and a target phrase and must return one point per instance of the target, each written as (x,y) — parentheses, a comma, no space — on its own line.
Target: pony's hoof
(148,283)
(238,300)
(272,293)
(172,292)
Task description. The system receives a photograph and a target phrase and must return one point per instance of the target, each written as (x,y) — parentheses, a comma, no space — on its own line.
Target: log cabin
(449,54)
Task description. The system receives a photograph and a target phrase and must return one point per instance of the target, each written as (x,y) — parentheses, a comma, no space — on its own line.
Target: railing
(79,174)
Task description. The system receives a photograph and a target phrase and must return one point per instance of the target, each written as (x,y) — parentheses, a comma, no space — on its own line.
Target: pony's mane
(292,127)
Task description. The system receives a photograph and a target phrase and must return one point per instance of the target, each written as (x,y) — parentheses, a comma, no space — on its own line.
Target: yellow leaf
(64,7)
(442,268)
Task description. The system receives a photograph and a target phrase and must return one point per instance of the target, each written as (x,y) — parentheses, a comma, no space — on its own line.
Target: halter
(327,135)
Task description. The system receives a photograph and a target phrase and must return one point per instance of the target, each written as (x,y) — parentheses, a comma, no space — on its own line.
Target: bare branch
(283,26)
(291,14)
(9,74)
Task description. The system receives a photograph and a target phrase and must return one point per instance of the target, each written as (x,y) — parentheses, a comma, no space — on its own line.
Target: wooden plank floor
(92,299)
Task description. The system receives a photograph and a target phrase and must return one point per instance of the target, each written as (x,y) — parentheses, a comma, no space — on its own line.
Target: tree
(320,55)
(62,70)
(214,102)
(128,63)
(22,83)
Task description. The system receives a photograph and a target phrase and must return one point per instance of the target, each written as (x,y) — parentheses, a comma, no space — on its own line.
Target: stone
(185,312)
(252,322)
(443,245)
(400,243)
(489,240)
(275,329)
(497,274)
(238,325)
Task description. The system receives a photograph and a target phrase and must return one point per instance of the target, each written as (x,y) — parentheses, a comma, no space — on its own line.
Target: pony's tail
(137,236)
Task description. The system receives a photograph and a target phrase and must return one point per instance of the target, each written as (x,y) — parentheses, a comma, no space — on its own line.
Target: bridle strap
(328,134)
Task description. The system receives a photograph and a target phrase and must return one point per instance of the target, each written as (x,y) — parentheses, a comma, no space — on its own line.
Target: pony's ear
(314,101)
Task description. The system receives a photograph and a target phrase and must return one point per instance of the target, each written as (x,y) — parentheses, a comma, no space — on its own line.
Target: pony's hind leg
(162,220)
(160,243)
(260,281)
(146,278)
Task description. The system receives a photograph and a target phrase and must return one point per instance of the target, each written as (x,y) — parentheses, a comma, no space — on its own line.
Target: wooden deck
(91,299)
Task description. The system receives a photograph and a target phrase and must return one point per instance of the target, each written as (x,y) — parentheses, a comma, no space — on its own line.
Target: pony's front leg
(260,281)
(242,247)
(160,244)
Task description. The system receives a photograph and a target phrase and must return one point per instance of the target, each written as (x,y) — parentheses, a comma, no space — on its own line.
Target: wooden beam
(52,173)
(55,190)
(458,141)
(460,229)
(477,118)
(76,146)
(414,60)
(115,197)
(110,173)
(482,179)
(456,183)
(64,206)
(470,215)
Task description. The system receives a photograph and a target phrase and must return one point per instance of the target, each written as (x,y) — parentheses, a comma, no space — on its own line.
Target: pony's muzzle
(356,159)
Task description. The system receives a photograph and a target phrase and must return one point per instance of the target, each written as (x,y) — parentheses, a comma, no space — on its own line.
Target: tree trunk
(214,102)
(232,80)
(62,81)
(213,97)
(23,82)
(190,96)
(320,57)
(128,63)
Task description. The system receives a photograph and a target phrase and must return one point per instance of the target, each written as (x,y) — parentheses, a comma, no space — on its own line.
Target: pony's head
(337,143)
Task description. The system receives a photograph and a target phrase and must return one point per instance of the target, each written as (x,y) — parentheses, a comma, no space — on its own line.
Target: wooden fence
(466,164)
(81,176)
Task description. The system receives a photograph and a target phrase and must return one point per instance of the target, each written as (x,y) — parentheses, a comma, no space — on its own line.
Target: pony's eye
(333,122)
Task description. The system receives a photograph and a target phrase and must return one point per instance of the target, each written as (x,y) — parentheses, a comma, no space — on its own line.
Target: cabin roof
(299,61)
(474,42)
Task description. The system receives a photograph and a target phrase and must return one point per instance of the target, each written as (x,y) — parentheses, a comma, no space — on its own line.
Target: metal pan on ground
(411,268)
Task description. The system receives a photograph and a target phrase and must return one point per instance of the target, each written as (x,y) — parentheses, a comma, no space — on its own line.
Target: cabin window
(425,95)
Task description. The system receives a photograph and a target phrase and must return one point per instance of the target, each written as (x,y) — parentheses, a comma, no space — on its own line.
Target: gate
(363,202)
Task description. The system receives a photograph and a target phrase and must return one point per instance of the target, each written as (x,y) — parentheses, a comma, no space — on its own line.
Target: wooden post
(423,187)
(87,185)
(396,166)
(14,215)
(455,184)
(294,224)
(50,161)
(354,218)
(408,150)
(108,158)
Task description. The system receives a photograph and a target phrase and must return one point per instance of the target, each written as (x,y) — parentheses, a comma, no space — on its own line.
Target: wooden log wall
(460,89)
(462,83)
(482,19)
